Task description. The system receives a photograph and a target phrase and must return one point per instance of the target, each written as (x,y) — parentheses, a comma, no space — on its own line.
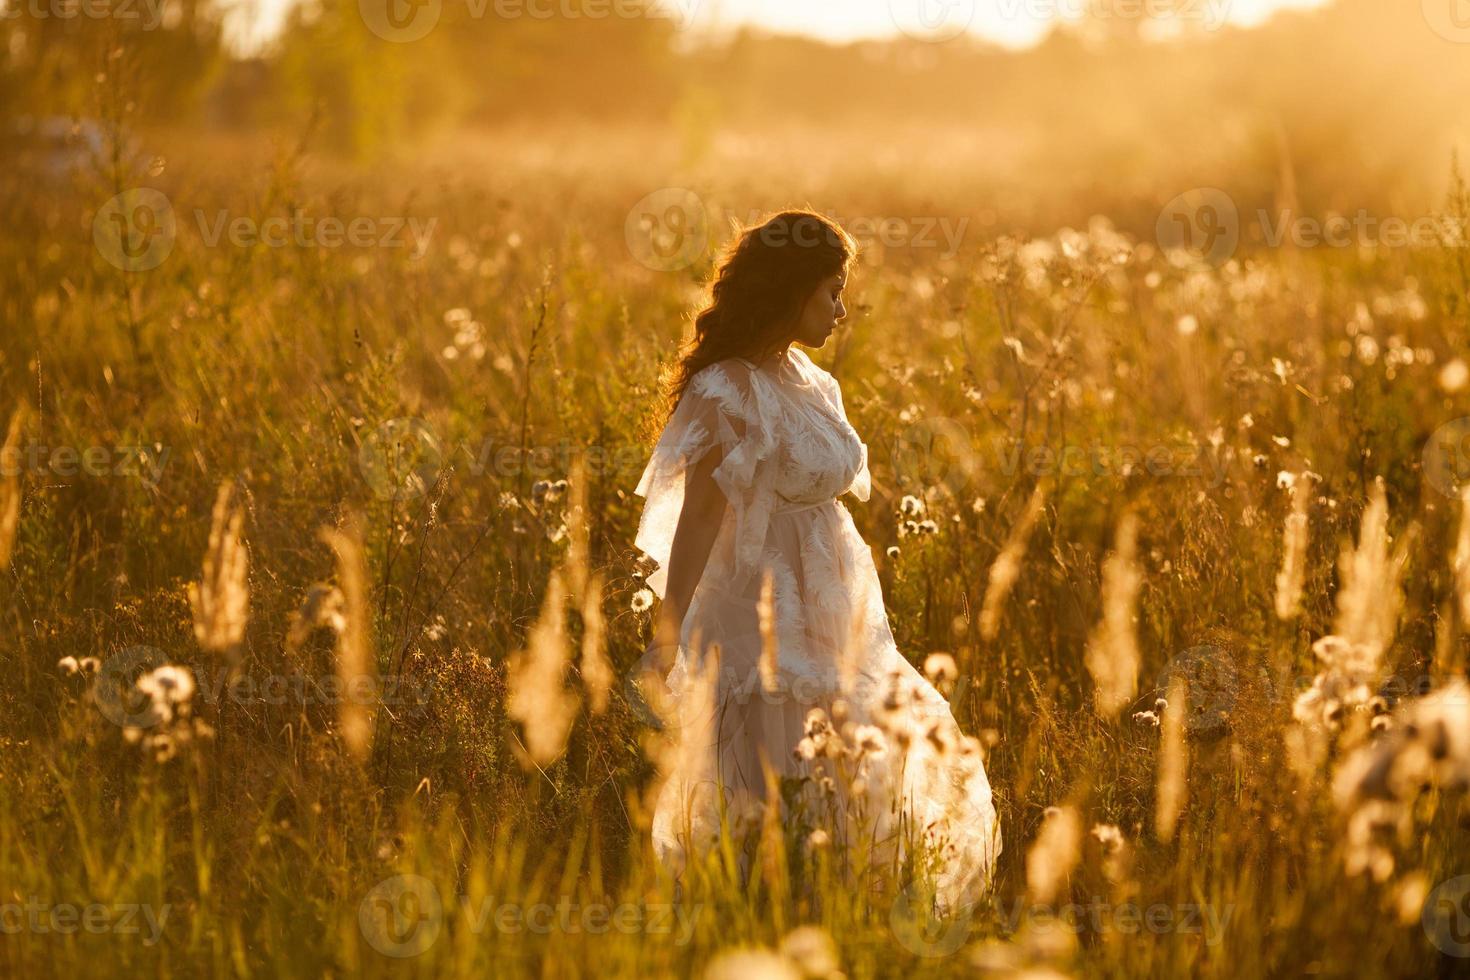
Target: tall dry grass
(498,758)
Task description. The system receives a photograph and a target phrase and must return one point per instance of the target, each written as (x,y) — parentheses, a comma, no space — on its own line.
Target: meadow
(285,503)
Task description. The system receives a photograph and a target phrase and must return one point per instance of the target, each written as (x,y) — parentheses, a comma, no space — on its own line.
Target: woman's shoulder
(728,381)
(738,366)
(735,370)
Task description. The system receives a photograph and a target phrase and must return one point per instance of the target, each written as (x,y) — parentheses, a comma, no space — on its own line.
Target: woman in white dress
(741,500)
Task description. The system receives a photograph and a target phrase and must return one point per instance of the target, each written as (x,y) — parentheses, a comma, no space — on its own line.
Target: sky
(1013,23)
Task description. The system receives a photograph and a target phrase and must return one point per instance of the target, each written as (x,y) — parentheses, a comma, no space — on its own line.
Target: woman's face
(822,312)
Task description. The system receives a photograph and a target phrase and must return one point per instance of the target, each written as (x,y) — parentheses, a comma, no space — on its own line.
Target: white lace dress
(788,453)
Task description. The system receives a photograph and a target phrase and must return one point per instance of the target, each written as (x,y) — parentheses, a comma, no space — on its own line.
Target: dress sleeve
(724,406)
(862,484)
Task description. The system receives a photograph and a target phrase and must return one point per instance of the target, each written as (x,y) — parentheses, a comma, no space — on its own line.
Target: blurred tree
(49,63)
(363,87)
(472,65)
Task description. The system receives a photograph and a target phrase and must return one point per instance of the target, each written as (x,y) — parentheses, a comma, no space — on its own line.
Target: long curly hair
(758,289)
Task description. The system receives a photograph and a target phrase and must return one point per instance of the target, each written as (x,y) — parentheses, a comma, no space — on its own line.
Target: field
(329,473)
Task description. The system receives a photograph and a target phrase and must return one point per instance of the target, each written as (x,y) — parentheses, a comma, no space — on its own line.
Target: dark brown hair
(759,287)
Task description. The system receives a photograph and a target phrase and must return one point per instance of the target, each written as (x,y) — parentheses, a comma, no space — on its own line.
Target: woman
(772,631)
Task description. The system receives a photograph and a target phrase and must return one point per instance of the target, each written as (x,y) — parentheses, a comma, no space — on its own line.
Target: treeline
(1360,84)
(171,61)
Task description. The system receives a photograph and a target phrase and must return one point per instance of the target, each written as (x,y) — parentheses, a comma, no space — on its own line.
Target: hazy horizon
(1009,23)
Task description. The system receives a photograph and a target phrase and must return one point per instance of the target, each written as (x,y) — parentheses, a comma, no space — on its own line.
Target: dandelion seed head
(940,668)
(841,711)
(870,741)
(817,722)
(812,950)
(167,684)
(1108,835)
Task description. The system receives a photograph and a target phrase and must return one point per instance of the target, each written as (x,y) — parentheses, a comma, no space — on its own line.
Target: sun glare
(1010,23)
(1013,23)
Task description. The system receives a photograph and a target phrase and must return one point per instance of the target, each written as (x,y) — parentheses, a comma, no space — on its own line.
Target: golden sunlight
(1010,23)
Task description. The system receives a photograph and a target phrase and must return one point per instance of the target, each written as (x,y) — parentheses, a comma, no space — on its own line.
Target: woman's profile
(771,636)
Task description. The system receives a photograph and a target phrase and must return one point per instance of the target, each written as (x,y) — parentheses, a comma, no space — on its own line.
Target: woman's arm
(699,523)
